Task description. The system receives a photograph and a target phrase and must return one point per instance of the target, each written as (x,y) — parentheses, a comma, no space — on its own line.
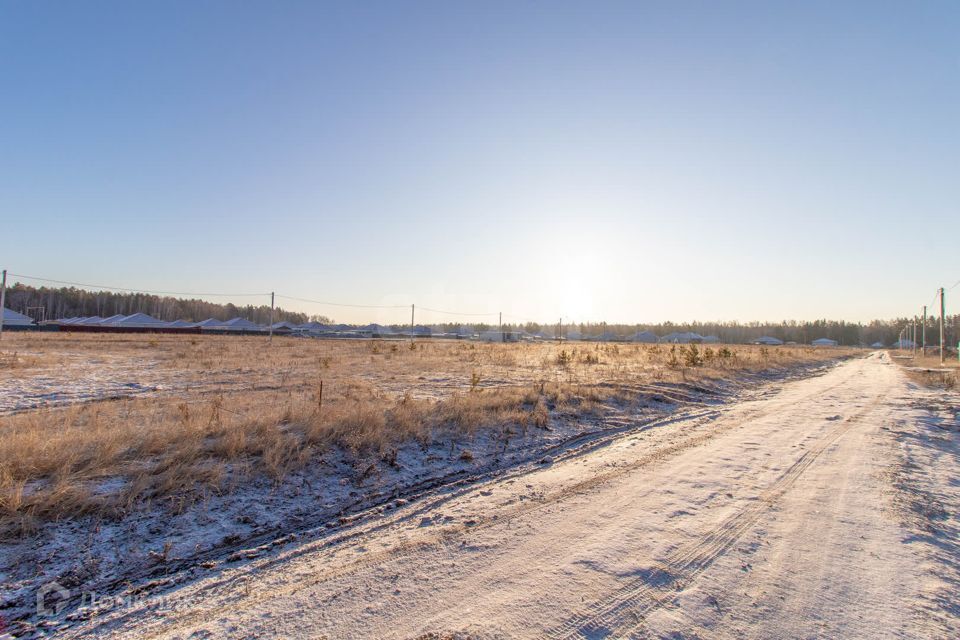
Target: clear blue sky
(639,161)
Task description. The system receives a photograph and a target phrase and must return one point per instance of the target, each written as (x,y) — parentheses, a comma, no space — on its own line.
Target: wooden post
(923,333)
(913,347)
(3,300)
(271,316)
(942,308)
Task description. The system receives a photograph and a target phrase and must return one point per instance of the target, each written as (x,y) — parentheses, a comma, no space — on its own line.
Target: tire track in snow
(425,541)
(621,613)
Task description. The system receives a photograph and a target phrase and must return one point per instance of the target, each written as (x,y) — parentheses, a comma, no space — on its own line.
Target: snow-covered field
(820,507)
(156,547)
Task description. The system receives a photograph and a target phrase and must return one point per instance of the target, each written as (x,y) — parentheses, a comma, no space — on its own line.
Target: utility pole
(271,317)
(942,308)
(500,327)
(3,300)
(913,340)
(923,332)
(412,307)
(560,331)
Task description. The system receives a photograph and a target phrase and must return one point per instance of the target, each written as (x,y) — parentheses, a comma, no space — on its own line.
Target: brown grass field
(927,370)
(209,412)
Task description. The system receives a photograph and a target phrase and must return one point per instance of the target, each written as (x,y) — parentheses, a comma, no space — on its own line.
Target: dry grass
(243,409)
(927,370)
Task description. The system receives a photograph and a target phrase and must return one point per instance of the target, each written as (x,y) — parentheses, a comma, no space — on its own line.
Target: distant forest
(846,333)
(67,302)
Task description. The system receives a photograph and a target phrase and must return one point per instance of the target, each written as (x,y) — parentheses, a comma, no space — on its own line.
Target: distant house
(313,328)
(139,320)
(240,324)
(824,342)
(13,319)
(497,335)
(645,336)
(463,331)
(234,325)
(682,337)
(606,336)
(878,345)
(375,330)
(282,328)
(767,341)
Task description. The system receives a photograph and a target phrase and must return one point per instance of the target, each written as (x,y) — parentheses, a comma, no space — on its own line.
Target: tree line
(801,332)
(51,303)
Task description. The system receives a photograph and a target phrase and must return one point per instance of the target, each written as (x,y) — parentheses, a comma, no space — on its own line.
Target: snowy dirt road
(826,508)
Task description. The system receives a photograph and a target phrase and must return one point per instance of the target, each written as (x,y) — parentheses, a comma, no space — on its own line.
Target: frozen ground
(110,377)
(165,545)
(826,507)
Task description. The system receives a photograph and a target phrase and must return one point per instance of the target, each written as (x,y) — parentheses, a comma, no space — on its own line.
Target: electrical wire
(164,293)
(455,313)
(343,304)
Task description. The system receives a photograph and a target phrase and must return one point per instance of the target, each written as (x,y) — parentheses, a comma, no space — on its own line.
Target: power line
(164,293)
(457,313)
(343,304)
(954,285)
(522,318)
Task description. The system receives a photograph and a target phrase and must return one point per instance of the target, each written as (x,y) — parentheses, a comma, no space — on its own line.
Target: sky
(628,162)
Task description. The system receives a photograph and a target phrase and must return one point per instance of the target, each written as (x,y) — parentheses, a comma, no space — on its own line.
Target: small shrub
(692,357)
(672,361)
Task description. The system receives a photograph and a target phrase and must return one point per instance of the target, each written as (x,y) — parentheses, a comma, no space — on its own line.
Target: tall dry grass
(253,410)
(927,370)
